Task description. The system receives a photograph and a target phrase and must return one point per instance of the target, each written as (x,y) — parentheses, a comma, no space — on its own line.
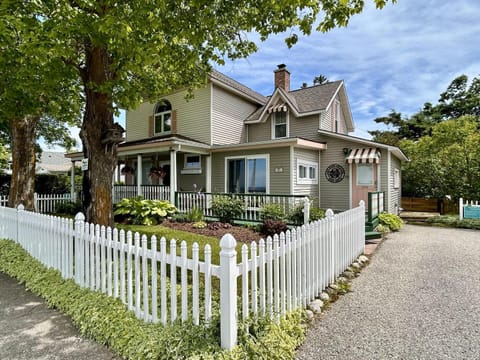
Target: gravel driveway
(418,299)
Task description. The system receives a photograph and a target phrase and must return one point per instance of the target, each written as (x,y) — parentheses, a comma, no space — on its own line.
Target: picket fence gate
(161,284)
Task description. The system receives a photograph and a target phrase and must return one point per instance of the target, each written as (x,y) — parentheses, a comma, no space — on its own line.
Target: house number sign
(335,173)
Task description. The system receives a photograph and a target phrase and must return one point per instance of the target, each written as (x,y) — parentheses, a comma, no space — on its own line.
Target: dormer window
(162,116)
(280,125)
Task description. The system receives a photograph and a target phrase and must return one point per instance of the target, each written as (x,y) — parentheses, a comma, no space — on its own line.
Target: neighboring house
(231,139)
(54,163)
(49,162)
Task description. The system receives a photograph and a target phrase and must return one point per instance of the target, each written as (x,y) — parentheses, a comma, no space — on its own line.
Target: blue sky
(396,58)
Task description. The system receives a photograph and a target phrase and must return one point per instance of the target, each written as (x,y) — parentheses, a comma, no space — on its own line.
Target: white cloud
(396,58)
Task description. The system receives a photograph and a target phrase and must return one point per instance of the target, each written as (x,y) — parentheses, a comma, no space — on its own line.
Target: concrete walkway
(418,299)
(29,330)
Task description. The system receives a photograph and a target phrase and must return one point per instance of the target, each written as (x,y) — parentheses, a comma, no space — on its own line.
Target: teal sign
(471,212)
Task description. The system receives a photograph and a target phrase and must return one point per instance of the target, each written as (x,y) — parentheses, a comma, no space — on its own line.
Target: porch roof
(162,143)
(296,142)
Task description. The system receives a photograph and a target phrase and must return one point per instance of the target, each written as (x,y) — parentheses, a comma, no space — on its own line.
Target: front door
(364,180)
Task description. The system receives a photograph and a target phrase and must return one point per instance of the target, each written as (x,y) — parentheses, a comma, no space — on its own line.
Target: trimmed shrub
(272,212)
(296,216)
(69,208)
(227,208)
(271,227)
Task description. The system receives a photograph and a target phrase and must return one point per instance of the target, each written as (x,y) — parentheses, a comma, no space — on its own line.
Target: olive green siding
(260,132)
(193,116)
(279,168)
(311,156)
(335,196)
(228,113)
(395,194)
(186,181)
(305,127)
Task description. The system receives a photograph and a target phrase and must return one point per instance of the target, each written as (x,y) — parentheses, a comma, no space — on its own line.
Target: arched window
(162,116)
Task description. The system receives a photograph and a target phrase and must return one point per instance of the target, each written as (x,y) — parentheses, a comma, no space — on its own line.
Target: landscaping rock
(324,296)
(356,265)
(333,286)
(348,274)
(363,258)
(316,306)
(309,314)
(342,279)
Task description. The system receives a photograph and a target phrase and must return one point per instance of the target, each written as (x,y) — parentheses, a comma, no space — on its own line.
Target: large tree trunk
(98,118)
(22,186)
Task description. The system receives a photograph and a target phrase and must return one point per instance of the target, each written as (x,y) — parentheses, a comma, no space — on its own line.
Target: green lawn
(188,237)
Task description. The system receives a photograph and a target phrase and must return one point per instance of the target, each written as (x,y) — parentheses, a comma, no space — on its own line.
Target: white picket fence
(44,203)
(277,275)
(469,209)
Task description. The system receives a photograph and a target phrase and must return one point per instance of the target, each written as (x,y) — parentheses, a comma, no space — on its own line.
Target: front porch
(186,201)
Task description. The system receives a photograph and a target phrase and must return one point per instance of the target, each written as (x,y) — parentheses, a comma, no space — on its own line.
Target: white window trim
(338,117)
(155,114)
(249,157)
(287,124)
(396,178)
(191,169)
(308,165)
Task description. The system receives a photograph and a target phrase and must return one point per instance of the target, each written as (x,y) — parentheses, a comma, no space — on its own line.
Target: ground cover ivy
(107,321)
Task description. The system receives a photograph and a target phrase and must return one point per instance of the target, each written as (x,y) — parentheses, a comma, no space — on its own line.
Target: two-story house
(231,139)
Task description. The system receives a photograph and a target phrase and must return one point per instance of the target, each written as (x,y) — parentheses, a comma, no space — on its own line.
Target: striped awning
(363,155)
(277,108)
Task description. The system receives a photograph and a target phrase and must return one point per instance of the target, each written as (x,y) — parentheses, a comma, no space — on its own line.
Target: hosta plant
(139,211)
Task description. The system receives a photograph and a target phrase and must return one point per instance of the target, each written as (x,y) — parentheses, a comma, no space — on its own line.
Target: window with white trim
(162,117)
(247,174)
(279,125)
(396,178)
(192,164)
(307,172)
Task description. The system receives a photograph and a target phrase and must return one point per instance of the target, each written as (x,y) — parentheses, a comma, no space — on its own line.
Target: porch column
(208,173)
(72,182)
(173,175)
(139,175)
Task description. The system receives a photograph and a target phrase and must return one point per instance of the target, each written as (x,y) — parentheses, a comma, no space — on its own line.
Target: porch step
(371,235)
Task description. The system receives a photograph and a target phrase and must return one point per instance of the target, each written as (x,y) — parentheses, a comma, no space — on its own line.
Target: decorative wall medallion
(335,173)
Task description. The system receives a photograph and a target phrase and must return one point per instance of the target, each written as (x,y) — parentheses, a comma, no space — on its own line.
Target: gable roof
(315,98)
(306,101)
(224,81)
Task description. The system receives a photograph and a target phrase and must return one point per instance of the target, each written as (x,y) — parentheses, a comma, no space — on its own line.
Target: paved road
(418,299)
(29,330)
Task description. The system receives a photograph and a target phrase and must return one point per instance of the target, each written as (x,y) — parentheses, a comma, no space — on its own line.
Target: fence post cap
(79,217)
(329,213)
(228,242)
(362,203)
(20,207)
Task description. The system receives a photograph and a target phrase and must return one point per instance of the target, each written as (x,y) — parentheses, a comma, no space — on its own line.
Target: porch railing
(376,204)
(185,201)
(152,192)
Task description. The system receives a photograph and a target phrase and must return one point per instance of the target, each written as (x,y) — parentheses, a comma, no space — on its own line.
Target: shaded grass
(454,221)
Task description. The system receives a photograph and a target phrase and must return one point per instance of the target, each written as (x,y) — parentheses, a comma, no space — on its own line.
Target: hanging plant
(127,170)
(157,172)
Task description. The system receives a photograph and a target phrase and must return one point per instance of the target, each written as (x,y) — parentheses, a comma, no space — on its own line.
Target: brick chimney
(282,77)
